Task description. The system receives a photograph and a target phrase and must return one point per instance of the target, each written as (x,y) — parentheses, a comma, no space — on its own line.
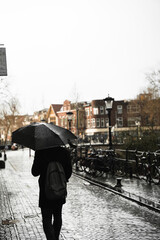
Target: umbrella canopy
(42,135)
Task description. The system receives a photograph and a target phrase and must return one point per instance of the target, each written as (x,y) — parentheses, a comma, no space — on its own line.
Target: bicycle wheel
(98,173)
(155,173)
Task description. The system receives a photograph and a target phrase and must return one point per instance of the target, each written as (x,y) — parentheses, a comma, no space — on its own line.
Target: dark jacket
(39,167)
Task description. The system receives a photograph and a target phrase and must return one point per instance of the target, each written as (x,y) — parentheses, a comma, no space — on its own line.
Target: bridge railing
(128,162)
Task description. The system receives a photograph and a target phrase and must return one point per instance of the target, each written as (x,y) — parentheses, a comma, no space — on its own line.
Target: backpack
(55,184)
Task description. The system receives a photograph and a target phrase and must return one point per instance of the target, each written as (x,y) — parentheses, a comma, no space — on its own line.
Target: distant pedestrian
(51,209)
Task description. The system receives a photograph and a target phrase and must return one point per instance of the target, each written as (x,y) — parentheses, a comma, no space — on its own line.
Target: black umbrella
(42,135)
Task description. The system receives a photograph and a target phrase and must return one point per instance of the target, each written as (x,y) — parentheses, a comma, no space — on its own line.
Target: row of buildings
(88,119)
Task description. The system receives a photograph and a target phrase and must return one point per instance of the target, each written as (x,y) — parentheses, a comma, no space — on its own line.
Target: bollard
(119,185)
(5,156)
(2,164)
(119,182)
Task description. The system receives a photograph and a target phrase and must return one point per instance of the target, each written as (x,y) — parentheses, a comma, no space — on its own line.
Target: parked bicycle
(155,168)
(144,166)
(98,162)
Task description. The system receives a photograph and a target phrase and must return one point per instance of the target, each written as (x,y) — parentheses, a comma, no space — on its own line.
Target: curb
(154,206)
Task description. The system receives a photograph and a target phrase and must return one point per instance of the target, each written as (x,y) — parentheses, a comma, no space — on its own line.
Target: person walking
(51,210)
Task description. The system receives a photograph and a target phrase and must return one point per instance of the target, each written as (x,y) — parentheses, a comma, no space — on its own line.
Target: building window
(87,111)
(132,121)
(102,122)
(88,123)
(107,122)
(101,110)
(119,109)
(66,120)
(97,122)
(93,123)
(73,120)
(133,108)
(53,120)
(120,122)
(95,111)
(61,122)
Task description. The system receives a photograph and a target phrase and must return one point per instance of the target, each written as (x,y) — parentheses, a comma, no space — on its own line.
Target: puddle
(9,221)
(30,216)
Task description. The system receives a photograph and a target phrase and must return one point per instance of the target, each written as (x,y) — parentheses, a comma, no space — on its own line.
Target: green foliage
(148,142)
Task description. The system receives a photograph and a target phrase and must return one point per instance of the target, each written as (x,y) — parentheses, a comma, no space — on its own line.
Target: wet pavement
(91,213)
(137,190)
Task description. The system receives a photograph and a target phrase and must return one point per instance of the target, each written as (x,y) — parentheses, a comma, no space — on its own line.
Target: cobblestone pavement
(89,214)
(140,191)
(138,187)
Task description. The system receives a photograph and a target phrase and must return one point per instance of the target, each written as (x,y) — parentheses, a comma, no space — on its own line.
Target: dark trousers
(52,221)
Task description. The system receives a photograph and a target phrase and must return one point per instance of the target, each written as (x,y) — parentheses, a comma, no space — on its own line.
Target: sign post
(3,61)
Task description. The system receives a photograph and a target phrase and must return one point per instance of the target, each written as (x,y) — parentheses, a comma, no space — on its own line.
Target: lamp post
(108,104)
(77,115)
(69,116)
(138,123)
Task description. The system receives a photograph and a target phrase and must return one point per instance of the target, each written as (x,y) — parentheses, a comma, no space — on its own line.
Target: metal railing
(143,165)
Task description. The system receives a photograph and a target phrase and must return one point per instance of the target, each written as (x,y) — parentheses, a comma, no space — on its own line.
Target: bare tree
(9,113)
(149,101)
(153,79)
(4,91)
(80,123)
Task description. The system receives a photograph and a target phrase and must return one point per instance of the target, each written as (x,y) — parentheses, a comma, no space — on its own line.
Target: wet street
(90,213)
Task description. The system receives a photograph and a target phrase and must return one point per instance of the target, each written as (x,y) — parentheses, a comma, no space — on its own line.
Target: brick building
(52,113)
(91,118)
(57,114)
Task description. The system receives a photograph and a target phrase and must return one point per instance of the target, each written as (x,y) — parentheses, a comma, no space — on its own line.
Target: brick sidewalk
(135,189)
(85,214)
(20,217)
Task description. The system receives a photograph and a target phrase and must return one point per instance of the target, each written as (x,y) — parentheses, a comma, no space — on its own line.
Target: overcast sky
(57,50)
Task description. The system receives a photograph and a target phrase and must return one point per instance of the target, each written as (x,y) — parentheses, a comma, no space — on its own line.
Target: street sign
(3,62)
